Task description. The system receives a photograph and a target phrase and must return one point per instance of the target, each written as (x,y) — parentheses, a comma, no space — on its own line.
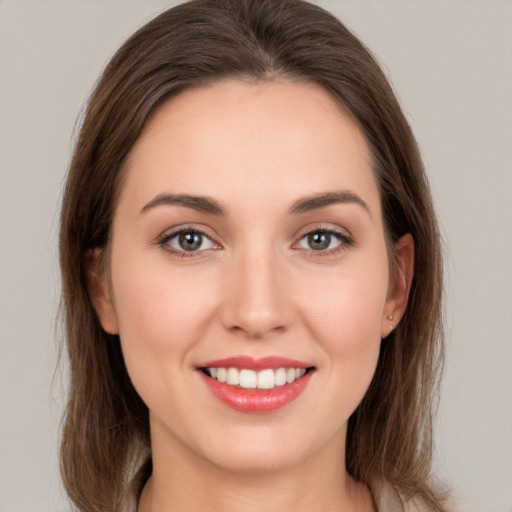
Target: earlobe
(400,285)
(99,291)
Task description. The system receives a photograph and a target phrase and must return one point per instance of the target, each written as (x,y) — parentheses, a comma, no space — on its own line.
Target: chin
(262,450)
(254,460)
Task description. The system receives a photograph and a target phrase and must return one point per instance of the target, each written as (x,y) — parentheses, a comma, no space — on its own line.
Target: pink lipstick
(256,385)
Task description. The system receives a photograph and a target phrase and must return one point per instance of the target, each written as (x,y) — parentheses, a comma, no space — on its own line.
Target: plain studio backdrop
(451,65)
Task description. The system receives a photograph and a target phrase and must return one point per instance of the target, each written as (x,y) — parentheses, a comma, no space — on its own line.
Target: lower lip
(257,400)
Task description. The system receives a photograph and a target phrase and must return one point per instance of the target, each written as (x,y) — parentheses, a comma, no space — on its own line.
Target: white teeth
(280,377)
(250,379)
(233,377)
(266,379)
(222,374)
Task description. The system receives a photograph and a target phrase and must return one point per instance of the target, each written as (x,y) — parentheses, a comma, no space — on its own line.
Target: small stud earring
(390,317)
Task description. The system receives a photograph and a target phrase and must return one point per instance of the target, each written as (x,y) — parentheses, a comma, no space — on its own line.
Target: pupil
(190,241)
(319,241)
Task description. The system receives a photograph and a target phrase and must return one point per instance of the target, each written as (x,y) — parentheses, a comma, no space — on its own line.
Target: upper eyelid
(344,238)
(174,234)
(323,227)
(324,230)
(170,233)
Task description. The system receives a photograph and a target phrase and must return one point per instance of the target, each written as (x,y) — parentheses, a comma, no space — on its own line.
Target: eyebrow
(208,205)
(198,203)
(322,200)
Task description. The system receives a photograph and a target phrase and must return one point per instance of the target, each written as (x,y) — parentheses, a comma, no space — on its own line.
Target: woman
(251,273)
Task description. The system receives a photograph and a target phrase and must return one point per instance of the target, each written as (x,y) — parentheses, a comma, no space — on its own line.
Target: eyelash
(164,240)
(345,242)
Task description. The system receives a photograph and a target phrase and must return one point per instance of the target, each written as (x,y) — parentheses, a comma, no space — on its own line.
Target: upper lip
(251,363)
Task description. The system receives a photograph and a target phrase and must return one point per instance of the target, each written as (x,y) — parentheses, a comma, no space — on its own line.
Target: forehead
(259,138)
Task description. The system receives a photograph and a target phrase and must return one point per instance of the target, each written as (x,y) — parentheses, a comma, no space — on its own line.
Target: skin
(255,287)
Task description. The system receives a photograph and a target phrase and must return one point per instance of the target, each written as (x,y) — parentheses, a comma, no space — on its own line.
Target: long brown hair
(105,449)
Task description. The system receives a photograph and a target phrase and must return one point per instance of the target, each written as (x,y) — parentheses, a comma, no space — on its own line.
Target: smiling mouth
(261,385)
(244,378)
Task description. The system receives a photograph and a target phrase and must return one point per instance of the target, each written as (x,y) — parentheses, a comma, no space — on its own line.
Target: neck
(186,482)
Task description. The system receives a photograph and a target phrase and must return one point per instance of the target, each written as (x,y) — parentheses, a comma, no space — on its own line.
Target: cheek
(345,317)
(348,308)
(159,314)
(154,303)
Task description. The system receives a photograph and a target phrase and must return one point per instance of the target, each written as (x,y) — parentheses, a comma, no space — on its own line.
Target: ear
(400,285)
(99,291)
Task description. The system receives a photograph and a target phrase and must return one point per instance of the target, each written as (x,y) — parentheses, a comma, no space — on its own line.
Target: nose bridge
(256,303)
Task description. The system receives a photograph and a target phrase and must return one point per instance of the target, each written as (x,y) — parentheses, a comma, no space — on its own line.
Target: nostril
(256,304)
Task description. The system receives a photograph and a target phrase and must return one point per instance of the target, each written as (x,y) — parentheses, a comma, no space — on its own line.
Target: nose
(256,301)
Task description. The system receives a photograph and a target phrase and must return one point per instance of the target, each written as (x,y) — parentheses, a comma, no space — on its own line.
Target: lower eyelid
(344,242)
(164,240)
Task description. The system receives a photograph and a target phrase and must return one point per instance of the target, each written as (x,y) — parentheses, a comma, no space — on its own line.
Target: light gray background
(451,65)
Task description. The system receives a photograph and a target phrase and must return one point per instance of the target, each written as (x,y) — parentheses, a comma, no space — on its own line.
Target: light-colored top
(386,499)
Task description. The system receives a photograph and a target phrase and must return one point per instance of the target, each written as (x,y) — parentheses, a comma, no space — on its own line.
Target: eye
(187,241)
(324,240)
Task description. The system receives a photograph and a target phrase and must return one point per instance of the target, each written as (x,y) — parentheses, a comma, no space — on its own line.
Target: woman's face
(248,245)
